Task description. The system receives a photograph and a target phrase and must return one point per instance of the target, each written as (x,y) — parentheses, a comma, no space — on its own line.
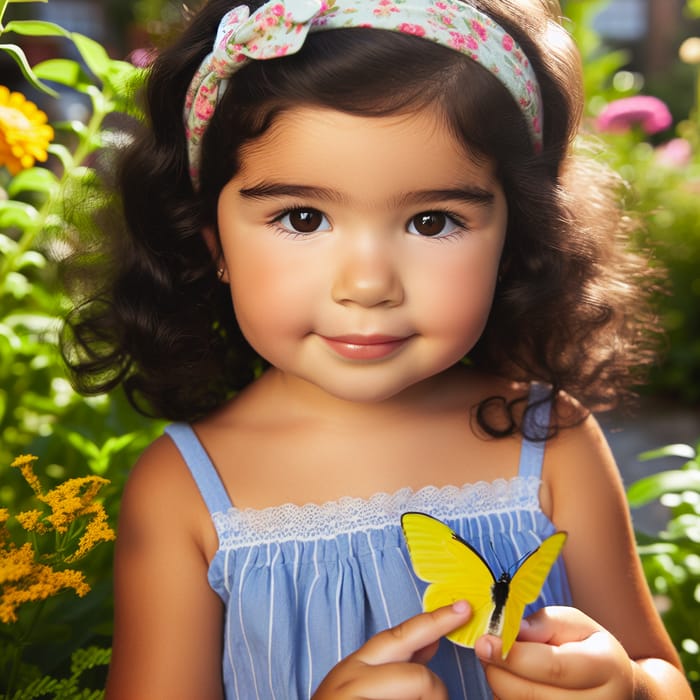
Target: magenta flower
(142,58)
(676,153)
(650,113)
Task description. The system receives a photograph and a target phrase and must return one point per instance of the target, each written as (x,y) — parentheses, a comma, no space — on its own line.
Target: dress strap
(535,425)
(201,467)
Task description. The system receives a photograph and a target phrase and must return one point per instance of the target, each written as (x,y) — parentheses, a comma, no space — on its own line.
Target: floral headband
(280,27)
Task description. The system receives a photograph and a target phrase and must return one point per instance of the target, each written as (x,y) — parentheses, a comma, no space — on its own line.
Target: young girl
(364,270)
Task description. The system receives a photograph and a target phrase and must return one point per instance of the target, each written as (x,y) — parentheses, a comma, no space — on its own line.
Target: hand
(560,653)
(391,665)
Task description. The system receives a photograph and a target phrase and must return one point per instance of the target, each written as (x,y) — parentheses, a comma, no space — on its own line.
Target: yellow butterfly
(456,571)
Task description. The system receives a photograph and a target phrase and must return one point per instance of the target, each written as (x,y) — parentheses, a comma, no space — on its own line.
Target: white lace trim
(290,522)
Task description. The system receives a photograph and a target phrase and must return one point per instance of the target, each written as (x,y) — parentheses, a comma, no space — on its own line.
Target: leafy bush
(662,166)
(75,438)
(672,560)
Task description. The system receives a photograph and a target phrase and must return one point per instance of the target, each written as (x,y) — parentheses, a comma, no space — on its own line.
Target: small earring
(220,273)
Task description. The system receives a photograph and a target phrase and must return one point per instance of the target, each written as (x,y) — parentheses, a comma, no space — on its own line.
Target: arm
(616,646)
(168,622)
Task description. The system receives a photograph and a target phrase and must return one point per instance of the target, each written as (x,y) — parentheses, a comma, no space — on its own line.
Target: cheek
(269,295)
(458,299)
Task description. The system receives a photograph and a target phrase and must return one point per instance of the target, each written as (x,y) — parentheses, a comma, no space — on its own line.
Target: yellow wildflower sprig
(70,517)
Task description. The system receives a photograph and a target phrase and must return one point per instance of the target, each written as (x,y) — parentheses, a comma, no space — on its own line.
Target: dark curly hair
(568,310)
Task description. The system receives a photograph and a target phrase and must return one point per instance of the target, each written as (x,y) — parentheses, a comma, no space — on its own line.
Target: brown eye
(430,223)
(304,221)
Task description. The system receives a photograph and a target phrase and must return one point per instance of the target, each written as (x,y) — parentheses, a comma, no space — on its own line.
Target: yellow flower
(39,583)
(96,531)
(71,499)
(25,462)
(16,563)
(30,520)
(24,133)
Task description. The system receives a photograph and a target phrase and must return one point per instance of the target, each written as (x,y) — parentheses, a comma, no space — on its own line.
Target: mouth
(366,347)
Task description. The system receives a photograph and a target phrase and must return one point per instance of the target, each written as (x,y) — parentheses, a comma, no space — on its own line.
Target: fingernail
(460,607)
(484,649)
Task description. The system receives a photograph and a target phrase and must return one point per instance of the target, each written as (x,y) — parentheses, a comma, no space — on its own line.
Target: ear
(212,242)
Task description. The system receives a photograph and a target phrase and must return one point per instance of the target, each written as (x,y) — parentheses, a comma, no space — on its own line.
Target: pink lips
(365,347)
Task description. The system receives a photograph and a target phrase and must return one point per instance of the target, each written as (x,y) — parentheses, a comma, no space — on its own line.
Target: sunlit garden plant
(42,550)
(661,161)
(49,189)
(672,560)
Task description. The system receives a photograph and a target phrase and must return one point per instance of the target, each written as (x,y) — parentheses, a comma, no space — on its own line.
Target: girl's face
(362,252)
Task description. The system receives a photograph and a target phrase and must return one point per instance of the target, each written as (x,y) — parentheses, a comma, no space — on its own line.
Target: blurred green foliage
(665,191)
(39,412)
(672,560)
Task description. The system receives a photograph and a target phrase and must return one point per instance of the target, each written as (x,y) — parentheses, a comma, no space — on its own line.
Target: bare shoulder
(162,560)
(159,485)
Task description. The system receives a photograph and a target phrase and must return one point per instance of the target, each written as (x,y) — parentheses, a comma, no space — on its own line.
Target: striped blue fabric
(304,586)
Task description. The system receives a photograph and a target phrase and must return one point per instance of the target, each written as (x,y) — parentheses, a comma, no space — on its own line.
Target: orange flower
(24,133)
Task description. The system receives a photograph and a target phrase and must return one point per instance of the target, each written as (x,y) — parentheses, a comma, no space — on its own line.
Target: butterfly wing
(454,570)
(526,585)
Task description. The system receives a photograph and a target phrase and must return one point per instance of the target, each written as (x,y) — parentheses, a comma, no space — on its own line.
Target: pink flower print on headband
(280,27)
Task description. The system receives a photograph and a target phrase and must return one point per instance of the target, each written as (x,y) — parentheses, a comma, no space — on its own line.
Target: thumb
(412,640)
(557,625)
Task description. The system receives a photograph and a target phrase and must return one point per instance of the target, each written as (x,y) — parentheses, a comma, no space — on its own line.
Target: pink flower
(277,10)
(414,29)
(676,153)
(508,42)
(142,58)
(479,29)
(458,41)
(650,113)
(203,106)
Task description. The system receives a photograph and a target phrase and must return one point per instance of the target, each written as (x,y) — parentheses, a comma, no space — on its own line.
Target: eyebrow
(468,194)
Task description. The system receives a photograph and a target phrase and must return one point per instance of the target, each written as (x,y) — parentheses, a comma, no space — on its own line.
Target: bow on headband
(280,27)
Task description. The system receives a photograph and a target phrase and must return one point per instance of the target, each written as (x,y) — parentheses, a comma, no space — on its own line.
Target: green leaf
(35,27)
(657,548)
(62,153)
(63,71)
(7,245)
(17,215)
(21,60)
(693,8)
(33,180)
(17,285)
(32,258)
(85,446)
(93,53)
(653,487)
(678,450)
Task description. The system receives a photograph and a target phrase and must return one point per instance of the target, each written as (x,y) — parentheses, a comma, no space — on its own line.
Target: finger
(577,665)
(397,681)
(412,637)
(557,625)
(423,656)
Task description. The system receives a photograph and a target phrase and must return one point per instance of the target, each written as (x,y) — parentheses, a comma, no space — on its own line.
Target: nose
(367,273)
